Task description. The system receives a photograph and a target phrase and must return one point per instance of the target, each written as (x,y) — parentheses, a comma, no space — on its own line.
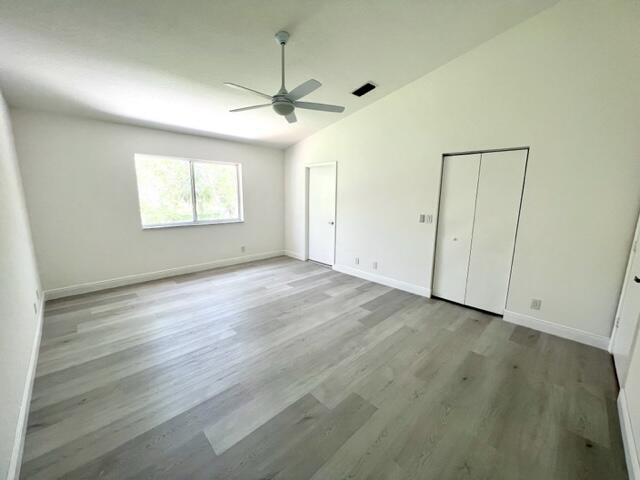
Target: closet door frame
(439,202)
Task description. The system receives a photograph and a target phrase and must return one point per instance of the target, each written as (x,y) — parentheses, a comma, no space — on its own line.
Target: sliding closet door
(496,221)
(455,225)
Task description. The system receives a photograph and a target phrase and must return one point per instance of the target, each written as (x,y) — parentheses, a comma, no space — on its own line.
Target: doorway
(479,210)
(321,212)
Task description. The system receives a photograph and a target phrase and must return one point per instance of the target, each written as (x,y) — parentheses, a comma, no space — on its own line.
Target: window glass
(164,189)
(167,190)
(216,191)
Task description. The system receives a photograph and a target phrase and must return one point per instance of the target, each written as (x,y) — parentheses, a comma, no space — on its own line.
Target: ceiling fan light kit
(284,102)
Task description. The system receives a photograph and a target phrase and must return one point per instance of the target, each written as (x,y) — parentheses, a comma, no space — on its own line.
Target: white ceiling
(163,62)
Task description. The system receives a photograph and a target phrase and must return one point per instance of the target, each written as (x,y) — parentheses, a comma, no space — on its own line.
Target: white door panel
(632,393)
(628,317)
(496,221)
(455,225)
(322,213)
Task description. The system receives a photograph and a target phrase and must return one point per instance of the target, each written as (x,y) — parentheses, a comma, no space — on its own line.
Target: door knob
(455,239)
(332,223)
(636,279)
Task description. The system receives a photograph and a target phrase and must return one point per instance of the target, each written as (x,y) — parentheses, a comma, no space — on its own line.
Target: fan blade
(304,89)
(291,118)
(250,108)
(235,85)
(319,106)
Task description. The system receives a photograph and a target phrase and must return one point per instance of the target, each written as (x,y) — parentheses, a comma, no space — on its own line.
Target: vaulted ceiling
(162,63)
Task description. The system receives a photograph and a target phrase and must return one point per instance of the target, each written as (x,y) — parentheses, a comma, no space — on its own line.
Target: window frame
(195,221)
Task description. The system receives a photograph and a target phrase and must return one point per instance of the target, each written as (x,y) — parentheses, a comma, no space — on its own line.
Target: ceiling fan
(284,102)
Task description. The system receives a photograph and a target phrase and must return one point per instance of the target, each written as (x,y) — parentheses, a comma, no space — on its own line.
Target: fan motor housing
(282,106)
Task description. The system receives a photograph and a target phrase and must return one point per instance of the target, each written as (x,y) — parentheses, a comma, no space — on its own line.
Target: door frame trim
(439,203)
(307,174)
(625,283)
(628,440)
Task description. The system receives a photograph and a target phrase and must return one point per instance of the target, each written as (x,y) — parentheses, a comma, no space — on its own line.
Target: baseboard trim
(297,256)
(145,277)
(21,429)
(558,330)
(628,440)
(389,282)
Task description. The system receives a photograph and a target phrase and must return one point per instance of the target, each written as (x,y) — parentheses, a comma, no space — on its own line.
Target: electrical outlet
(536,304)
(356,261)
(242,248)
(375,265)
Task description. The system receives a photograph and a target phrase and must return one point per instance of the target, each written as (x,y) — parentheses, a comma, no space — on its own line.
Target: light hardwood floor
(281,369)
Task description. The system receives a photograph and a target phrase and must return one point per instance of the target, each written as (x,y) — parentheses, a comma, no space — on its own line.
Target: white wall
(80,186)
(567,84)
(19,323)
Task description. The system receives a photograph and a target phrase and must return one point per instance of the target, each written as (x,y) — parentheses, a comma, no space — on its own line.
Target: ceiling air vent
(364,89)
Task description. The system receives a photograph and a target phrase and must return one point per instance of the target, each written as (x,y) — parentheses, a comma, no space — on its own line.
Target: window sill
(191,224)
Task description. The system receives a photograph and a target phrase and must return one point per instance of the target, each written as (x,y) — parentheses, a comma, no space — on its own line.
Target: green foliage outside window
(166,196)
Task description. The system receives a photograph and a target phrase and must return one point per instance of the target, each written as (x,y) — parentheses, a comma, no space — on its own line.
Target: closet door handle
(636,279)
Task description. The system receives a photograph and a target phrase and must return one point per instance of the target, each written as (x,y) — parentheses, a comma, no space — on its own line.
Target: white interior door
(495,225)
(455,225)
(322,213)
(628,315)
(632,393)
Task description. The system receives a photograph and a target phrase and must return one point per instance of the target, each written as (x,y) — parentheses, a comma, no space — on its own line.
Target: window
(179,191)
